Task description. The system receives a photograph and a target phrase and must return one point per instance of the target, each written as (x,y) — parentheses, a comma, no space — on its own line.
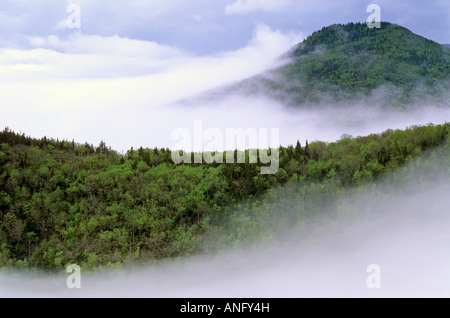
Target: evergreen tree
(298,150)
(307,153)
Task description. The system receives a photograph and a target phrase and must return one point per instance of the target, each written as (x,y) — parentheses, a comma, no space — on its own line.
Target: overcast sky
(112,74)
(205,26)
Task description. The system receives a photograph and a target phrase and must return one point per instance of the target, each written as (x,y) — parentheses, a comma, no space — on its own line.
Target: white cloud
(90,88)
(84,56)
(108,45)
(247,6)
(123,91)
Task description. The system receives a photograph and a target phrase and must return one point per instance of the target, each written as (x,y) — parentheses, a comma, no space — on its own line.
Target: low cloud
(90,88)
(108,45)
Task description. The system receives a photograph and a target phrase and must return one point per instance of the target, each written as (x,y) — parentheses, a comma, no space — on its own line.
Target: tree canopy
(346,63)
(63,202)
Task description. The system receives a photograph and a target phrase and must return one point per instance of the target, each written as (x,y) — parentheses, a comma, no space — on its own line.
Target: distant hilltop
(344,63)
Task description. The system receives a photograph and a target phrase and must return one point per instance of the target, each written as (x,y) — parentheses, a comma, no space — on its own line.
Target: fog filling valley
(401,227)
(87,96)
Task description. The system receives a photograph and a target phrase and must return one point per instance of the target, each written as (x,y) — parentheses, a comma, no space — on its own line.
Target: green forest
(63,202)
(344,63)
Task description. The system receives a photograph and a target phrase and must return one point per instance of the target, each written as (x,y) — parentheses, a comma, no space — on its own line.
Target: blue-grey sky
(205,26)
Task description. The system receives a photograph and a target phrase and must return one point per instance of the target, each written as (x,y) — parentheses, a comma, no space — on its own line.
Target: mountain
(63,202)
(343,63)
(447,45)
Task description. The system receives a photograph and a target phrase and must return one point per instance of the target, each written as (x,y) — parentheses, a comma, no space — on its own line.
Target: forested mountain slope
(352,63)
(62,202)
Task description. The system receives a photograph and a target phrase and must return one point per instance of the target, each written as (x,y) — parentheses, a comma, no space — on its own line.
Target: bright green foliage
(310,207)
(62,202)
(343,63)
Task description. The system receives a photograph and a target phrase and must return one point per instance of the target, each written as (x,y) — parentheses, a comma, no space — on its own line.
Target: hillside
(344,63)
(62,202)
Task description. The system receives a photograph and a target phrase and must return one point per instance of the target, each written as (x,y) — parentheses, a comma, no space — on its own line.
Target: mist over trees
(63,202)
(351,64)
